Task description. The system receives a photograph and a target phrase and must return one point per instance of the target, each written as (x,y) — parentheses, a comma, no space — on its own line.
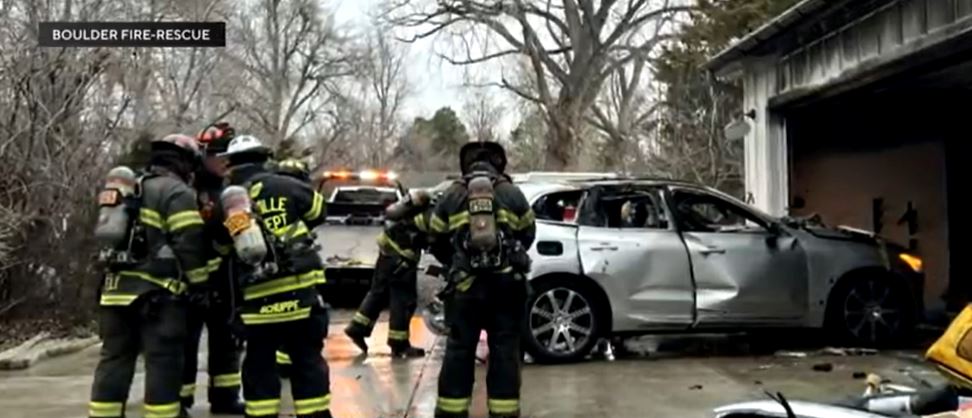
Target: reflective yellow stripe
(384,240)
(527,219)
(458,220)
(169,410)
(453,405)
(503,406)
(397,335)
(465,284)
(187,391)
(183,219)
(283,358)
(171,285)
(117,300)
(150,217)
(317,206)
(284,284)
(419,221)
(516,223)
(437,224)
(292,231)
(361,319)
(198,275)
(263,408)
(226,380)
(105,409)
(213,264)
(258,318)
(312,405)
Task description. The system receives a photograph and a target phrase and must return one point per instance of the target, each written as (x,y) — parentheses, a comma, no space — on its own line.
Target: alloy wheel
(873,311)
(561,321)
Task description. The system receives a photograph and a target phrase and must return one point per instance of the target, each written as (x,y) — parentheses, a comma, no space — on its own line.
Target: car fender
(828,261)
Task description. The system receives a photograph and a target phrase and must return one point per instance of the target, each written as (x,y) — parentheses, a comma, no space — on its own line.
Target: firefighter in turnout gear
(144,292)
(394,282)
(216,311)
(281,307)
(481,229)
(297,169)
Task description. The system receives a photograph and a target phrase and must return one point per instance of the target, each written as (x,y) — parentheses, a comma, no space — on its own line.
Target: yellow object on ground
(952,352)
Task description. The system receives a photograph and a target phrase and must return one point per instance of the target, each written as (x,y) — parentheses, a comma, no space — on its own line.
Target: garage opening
(893,157)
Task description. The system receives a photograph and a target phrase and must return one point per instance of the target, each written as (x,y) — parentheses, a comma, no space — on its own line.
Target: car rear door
(644,266)
(745,270)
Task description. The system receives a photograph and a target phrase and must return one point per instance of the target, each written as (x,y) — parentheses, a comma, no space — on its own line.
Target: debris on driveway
(842,352)
(791,354)
(823,367)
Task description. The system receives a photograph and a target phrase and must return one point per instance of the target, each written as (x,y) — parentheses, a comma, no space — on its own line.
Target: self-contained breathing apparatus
(120,234)
(255,245)
(487,246)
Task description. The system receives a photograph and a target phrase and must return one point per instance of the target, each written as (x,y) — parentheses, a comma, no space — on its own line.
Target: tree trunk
(563,124)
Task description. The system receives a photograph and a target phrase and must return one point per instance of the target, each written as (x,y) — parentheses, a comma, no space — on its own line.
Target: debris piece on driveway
(695,387)
(859,375)
(823,367)
(758,382)
(843,352)
(790,354)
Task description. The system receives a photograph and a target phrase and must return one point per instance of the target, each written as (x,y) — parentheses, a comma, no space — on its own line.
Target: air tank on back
(248,239)
(113,217)
(482,220)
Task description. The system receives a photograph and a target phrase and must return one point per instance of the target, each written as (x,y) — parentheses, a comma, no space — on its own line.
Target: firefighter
(297,169)
(394,280)
(216,312)
(143,295)
(481,229)
(281,307)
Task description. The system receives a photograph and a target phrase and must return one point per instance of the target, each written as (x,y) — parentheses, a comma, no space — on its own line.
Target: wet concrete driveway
(659,385)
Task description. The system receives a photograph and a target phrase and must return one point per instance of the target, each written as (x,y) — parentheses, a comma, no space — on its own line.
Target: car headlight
(912,261)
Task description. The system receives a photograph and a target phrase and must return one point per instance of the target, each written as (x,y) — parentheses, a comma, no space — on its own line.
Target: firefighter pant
(303,340)
(224,355)
(495,303)
(393,285)
(155,326)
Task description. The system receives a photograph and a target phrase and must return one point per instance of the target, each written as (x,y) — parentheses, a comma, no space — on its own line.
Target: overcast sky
(436,83)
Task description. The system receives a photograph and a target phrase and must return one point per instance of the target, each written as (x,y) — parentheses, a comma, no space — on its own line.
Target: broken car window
(698,212)
(558,207)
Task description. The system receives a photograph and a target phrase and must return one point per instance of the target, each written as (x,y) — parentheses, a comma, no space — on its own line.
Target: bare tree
(572,47)
(292,56)
(387,82)
(482,116)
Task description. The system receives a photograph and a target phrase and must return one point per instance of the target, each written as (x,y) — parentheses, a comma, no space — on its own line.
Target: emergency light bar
(366,175)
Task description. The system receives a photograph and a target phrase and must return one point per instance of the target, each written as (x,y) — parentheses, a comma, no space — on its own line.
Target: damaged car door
(628,245)
(747,269)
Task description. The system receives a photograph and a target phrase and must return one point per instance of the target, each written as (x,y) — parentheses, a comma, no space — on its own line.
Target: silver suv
(633,256)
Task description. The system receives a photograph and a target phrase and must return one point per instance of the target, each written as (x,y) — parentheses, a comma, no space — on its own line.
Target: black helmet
(484,151)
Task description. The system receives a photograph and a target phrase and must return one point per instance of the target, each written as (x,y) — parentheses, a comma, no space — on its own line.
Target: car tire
(563,322)
(870,310)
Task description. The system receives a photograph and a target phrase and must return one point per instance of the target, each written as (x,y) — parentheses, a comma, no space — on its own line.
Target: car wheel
(871,310)
(563,322)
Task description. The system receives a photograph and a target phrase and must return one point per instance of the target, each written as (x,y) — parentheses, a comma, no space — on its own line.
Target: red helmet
(216,138)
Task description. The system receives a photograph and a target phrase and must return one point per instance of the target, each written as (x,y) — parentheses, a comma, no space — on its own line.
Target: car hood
(816,227)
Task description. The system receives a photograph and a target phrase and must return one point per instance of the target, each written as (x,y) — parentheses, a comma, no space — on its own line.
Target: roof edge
(768,30)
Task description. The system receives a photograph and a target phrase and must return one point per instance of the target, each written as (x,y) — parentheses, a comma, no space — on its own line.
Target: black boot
(226,401)
(357,337)
(407,351)
(322,414)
